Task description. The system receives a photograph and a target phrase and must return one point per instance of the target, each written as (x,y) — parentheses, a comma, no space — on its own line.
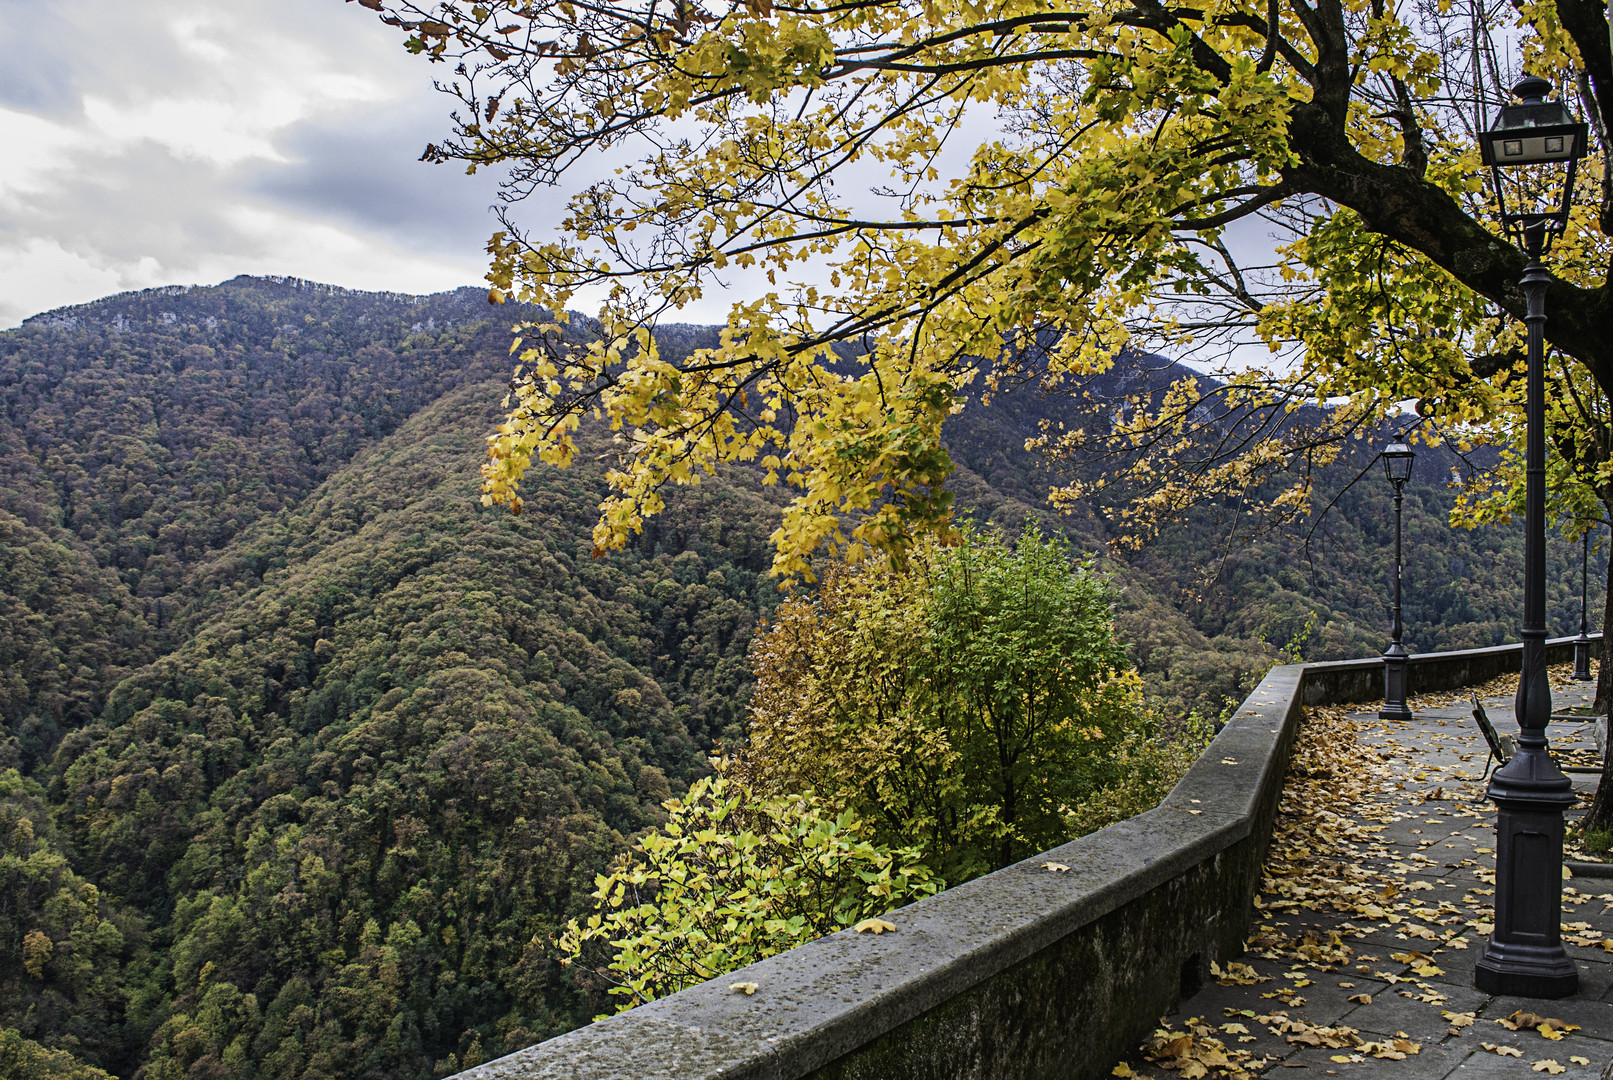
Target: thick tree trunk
(1600,815)
(1604,670)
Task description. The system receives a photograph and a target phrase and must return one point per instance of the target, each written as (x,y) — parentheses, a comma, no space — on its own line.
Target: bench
(1501,746)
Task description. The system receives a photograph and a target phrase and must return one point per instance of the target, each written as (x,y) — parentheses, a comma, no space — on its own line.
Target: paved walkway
(1381,883)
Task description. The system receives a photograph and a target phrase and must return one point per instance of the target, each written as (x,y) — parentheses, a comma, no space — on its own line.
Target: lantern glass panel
(1397,460)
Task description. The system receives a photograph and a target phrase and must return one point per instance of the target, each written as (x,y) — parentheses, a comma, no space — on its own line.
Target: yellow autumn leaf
(877,926)
(747,987)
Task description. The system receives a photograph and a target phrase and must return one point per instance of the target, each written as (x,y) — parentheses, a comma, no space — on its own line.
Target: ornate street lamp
(1582,644)
(1532,149)
(1397,461)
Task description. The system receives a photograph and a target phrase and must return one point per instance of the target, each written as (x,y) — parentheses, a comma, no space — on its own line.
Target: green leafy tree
(1032,684)
(730,879)
(971,700)
(24,1059)
(66,951)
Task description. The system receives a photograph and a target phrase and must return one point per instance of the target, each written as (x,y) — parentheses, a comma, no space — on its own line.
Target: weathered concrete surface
(1022,973)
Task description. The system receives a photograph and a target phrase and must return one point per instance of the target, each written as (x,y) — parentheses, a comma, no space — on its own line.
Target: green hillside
(306,754)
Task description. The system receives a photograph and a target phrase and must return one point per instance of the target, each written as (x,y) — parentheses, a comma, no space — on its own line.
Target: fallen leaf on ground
(1504,1051)
(1056,867)
(749,988)
(878,926)
(1548,1066)
(1520,1019)
(1549,1026)
(1361,999)
(1236,974)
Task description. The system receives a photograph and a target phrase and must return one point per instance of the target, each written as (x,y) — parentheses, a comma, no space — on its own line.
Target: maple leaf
(878,926)
(1503,1051)
(1548,1066)
(1056,867)
(748,987)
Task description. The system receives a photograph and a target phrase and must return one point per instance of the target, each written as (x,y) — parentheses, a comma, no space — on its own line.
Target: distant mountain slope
(147,430)
(420,722)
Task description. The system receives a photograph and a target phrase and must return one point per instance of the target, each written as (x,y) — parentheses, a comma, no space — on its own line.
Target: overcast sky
(158,142)
(177,142)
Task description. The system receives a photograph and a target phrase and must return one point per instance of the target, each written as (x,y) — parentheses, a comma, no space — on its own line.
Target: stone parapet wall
(1026,972)
(1362,680)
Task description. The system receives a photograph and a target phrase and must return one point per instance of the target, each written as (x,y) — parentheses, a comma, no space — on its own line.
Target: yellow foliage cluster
(1128,139)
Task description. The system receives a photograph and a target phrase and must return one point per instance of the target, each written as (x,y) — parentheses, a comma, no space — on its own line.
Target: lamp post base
(1518,970)
(1582,659)
(1394,685)
(1524,955)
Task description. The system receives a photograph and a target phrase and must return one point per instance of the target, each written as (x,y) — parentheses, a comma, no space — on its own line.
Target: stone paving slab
(1431,832)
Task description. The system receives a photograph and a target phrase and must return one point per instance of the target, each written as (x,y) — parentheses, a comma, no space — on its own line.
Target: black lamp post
(1582,644)
(1532,148)
(1397,461)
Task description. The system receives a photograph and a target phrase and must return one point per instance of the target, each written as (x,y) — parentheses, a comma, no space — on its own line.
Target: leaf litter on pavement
(1335,850)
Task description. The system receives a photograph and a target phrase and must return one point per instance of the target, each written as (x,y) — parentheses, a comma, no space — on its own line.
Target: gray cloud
(364,173)
(183,141)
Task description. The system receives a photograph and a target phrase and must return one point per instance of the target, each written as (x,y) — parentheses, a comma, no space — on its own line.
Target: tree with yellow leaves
(940,192)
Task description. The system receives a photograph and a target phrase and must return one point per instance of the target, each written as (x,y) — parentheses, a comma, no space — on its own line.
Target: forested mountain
(306,754)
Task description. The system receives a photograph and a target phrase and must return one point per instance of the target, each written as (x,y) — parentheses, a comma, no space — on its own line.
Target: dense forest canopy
(306,756)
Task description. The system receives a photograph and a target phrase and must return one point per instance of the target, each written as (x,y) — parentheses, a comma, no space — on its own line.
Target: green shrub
(731,879)
(1146,765)
(965,703)
(1597,841)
